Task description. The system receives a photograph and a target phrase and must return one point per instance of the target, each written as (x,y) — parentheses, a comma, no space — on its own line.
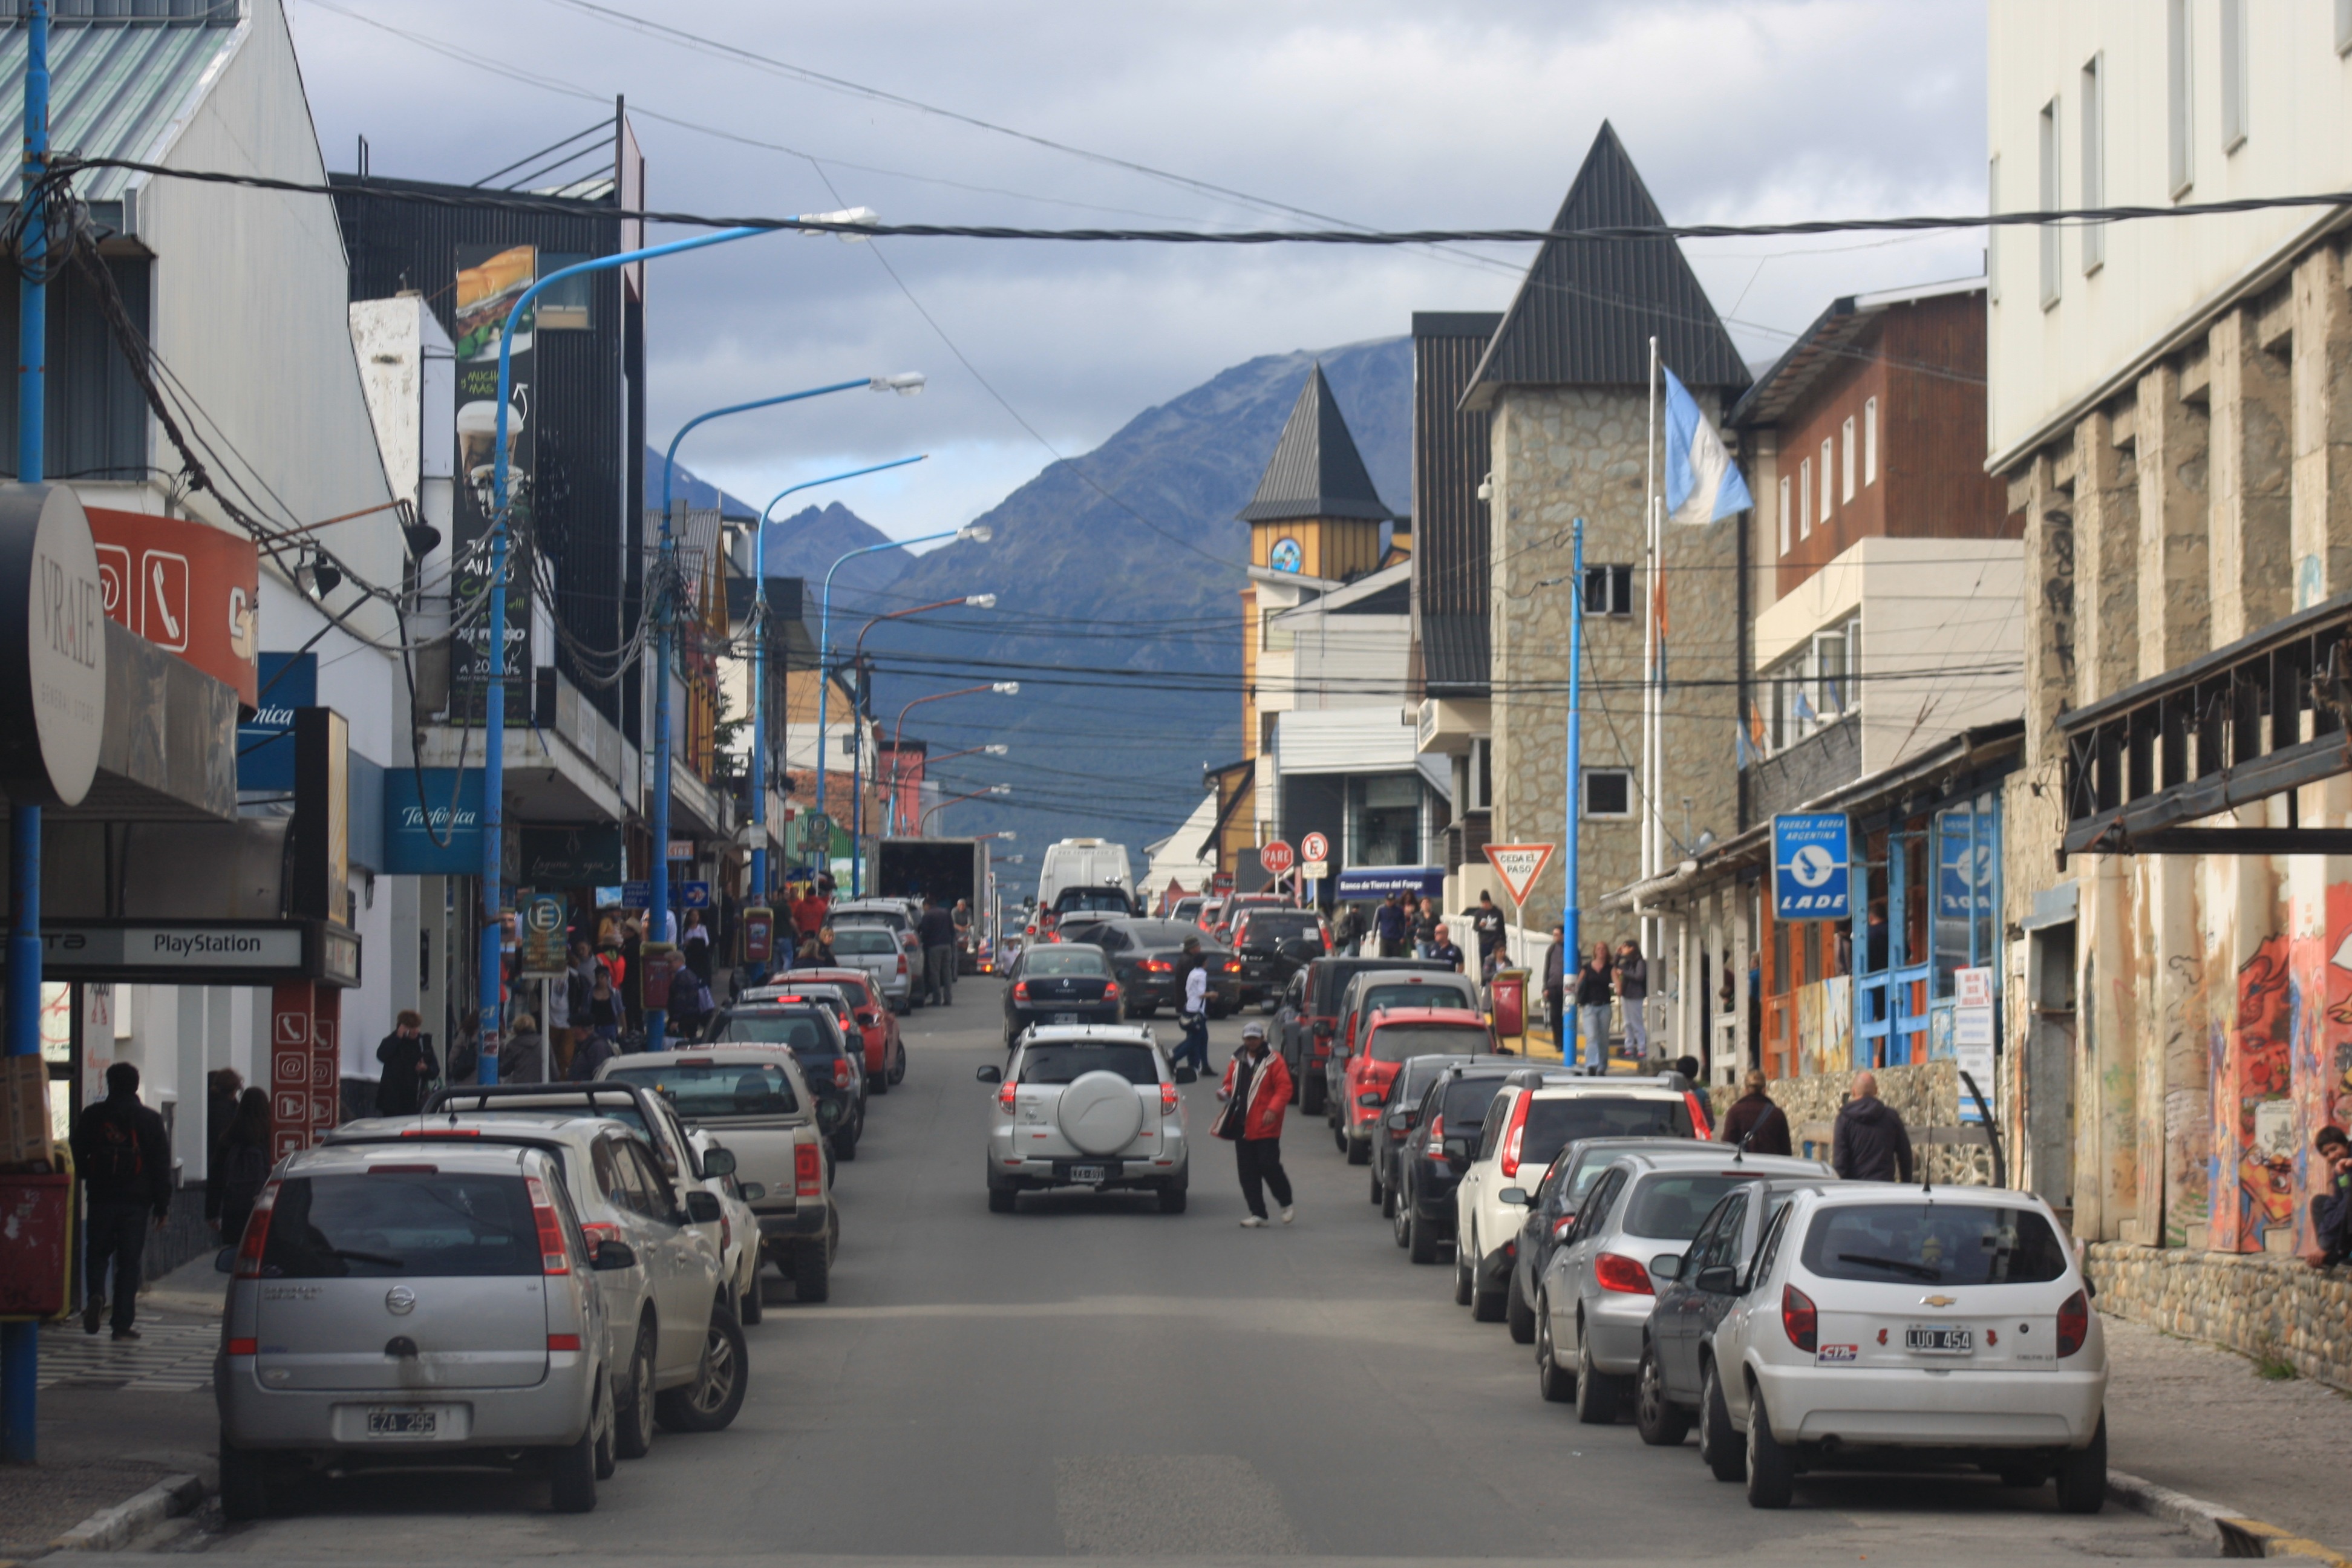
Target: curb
(2236,1535)
(111,1528)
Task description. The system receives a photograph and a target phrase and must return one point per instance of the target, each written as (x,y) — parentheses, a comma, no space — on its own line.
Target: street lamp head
(1006,687)
(906,384)
(996,751)
(981,601)
(976,532)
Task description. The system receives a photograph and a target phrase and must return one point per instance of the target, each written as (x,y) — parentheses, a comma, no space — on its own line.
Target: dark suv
(1444,1136)
(835,1069)
(1310,1013)
(1275,944)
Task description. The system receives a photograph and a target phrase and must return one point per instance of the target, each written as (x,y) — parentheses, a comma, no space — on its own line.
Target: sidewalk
(2197,1419)
(117,1419)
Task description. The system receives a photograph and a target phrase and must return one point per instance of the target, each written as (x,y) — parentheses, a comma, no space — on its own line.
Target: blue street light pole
(759,665)
(665,614)
(20,1344)
(494,697)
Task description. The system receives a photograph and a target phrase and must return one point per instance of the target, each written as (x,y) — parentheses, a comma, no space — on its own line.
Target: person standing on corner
(1867,1142)
(407,1065)
(1194,1012)
(1595,988)
(1555,989)
(1634,990)
(1442,948)
(124,1158)
(1754,1122)
(936,931)
(1256,1092)
(1390,927)
(1486,921)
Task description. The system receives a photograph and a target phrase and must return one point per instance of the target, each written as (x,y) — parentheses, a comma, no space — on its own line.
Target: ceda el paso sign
(53,669)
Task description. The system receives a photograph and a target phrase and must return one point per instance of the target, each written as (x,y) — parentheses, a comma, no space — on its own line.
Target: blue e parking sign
(1809,867)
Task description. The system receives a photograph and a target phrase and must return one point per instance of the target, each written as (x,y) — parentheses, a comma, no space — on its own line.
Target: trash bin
(1507,998)
(36,1243)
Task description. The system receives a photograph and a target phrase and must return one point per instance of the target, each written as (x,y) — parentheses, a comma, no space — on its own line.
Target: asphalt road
(1088,1377)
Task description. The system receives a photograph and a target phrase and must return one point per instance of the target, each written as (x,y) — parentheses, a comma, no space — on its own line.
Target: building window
(1385,820)
(1992,236)
(568,306)
(1273,636)
(1805,500)
(1608,590)
(1847,486)
(1825,481)
(2178,119)
(1784,490)
(1609,793)
(2051,235)
(1482,774)
(2344,27)
(1837,658)
(1870,441)
(2095,160)
(2237,74)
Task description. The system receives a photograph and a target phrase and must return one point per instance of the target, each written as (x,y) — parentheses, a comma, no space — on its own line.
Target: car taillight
(902,964)
(808,1171)
(1158,966)
(1166,1100)
(1020,991)
(244,1347)
(1436,1148)
(1004,1096)
(1798,1319)
(1517,1131)
(841,1072)
(554,1257)
(1233,966)
(1615,1271)
(1698,1116)
(256,1234)
(563,1341)
(2073,1323)
(1110,990)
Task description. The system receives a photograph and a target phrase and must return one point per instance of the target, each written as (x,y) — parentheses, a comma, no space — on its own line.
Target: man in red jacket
(1256,1091)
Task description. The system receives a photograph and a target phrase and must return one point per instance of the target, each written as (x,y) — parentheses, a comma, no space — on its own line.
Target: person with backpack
(124,1158)
(245,1164)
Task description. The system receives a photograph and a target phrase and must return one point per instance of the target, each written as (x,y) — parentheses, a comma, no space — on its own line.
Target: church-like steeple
(1315,470)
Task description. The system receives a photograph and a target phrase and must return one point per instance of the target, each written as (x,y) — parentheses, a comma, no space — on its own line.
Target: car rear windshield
(1069,1063)
(1108,899)
(1402,1042)
(1671,1207)
(401,1224)
(756,1089)
(621,1111)
(1410,995)
(804,1032)
(1160,933)
(1466,1100)
(893,919)
(1931,1243)
(1053,963)
(866,940)
(1553,1124)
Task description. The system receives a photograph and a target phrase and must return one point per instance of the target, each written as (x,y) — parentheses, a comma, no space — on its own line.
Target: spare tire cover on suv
(1100,1113)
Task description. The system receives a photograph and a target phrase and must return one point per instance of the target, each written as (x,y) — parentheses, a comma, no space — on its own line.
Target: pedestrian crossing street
(168,1358)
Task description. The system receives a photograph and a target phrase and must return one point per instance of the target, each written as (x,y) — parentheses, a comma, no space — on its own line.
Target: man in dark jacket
(1390,927)
(2331,1211)
(1555,991)
(1754,1122)
(1868,1142)
(124,1159)
(936,931)
(407,1068)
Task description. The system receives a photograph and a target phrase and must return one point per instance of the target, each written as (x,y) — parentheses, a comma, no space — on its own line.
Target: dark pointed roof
(1315,470)
(1588,308)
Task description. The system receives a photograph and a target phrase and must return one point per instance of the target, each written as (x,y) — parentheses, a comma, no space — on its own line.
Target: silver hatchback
(415,1307)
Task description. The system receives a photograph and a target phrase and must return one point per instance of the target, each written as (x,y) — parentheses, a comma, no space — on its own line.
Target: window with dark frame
(1609,792)
(1608,590)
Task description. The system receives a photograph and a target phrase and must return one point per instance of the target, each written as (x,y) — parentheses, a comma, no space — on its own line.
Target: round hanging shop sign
(52,671)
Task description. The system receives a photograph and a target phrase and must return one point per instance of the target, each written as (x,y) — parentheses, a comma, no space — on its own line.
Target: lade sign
(53,670)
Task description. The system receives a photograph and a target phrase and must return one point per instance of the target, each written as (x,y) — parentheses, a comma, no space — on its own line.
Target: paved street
(1088,1377)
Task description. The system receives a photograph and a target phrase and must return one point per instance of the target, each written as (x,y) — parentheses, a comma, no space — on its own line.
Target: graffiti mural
(2253,1108)
(2188,1105)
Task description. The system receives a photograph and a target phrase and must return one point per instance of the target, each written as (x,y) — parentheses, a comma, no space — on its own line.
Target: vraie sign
(53,674)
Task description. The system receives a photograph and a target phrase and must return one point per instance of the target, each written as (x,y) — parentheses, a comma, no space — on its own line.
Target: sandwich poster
(491,279)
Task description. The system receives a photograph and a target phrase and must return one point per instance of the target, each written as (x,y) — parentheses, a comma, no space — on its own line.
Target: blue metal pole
(494,700)
(1572,923)
(20,1344)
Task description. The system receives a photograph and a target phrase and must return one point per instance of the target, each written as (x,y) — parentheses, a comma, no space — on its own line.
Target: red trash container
(36,1245)
(1507,998)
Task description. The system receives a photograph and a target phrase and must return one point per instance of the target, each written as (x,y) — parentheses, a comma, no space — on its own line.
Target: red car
(886,1051)
(1391,1036)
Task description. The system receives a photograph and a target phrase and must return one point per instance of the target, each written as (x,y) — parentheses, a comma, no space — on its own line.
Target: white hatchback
(1950,1322)
(1088,1106)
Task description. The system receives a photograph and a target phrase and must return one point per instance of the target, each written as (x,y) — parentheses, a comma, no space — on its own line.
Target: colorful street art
(2253,1106)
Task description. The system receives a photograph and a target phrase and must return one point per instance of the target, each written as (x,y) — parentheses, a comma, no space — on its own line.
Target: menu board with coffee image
(491,279)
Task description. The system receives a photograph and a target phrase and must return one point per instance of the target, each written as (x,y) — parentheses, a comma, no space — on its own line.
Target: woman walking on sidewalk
(1256,1092)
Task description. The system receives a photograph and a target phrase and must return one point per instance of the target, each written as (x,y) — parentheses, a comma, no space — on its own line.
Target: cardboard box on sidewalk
(24,1109)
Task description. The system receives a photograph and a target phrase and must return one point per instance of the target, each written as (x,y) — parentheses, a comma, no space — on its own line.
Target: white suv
(1536,1113)
(1088,1105)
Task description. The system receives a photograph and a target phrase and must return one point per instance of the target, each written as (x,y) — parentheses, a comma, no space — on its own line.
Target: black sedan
(1445,1135)
(1148,957)
(835,1071)
(1060,983)
(1275,944)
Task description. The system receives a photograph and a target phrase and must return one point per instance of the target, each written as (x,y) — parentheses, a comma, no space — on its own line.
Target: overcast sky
(1381,112)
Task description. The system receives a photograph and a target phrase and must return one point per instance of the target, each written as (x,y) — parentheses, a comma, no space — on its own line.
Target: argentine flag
(1703,485)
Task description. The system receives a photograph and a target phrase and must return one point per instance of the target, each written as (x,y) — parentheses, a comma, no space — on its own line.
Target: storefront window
(1967,852)
(1386,820)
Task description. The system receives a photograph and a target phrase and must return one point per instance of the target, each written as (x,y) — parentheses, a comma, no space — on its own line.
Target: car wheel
(1172,1198)
(1338,1134)
(1662,1423)
(572,1473)
(1421,1241)
(2082,1475)
(1771,1478)
(1520,1316)
(813,1271)
(1553,1381)
(1718,1444)
(1463,1283)
(244,1482)
(1359,1149)
(710,1402)
(879,1083)
(607,1461)
(633,1433)
(1388,1195)
(899,1073)
(1597,1393)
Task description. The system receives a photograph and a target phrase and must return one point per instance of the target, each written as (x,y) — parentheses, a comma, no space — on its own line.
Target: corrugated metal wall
(1450,455)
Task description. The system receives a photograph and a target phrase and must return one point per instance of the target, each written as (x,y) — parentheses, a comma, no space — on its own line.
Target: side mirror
(1719,1279)
(753,1190)
(701,1207)
(611,1254)
(990,1073)
(1516,1197)
(1186,1075)
(717,1162)
(1369,1097)
(1400,1121)
(225,1260)
(1666,1266)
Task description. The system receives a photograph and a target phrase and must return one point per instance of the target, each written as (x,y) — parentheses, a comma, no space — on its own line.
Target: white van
(1082,863)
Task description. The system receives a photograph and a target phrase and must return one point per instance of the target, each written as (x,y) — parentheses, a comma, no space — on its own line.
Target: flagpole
(1649,774)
